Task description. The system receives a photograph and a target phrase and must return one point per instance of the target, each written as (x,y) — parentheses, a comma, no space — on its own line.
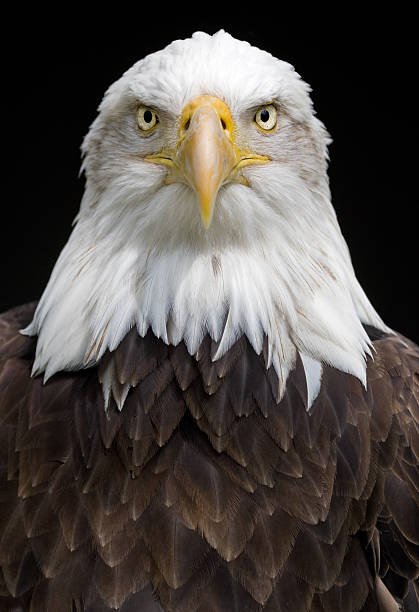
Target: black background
(56,67)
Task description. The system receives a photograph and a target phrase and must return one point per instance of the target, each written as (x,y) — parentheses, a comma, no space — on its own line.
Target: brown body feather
(204,494)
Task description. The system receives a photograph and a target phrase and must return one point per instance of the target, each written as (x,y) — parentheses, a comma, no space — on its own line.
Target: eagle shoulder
(394,385)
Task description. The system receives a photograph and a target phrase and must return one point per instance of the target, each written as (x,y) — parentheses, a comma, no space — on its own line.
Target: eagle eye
(147,118)
(266,117)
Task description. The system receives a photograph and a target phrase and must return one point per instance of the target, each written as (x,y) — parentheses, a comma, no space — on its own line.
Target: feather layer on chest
(203,490)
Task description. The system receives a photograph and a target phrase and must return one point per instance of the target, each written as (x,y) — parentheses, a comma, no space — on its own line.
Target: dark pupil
(264,115)
(148,116)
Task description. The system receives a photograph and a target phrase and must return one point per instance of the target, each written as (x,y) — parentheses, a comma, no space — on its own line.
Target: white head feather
(273,262)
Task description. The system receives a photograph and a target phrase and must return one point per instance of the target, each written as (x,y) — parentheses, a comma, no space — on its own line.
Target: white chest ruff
(297,295)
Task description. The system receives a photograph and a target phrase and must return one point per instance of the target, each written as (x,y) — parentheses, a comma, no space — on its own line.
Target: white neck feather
(266,267)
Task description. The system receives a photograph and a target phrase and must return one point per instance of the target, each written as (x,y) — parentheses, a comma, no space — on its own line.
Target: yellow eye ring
(266,117)
(147,119)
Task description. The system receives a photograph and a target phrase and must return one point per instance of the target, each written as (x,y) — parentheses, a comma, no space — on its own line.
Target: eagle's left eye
(266,117)
(147,119)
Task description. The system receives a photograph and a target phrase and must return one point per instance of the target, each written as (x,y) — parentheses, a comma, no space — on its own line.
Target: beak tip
(207,209)
(206,220)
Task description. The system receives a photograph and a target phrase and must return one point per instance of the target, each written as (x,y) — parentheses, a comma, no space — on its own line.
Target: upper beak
(206,155)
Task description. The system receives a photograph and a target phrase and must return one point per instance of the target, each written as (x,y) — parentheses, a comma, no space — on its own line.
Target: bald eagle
(204,412)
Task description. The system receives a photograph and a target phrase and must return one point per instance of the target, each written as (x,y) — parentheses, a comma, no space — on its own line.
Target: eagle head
(207,211)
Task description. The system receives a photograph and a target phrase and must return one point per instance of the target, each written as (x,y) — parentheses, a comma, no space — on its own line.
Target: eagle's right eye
(266,117)
(147,119)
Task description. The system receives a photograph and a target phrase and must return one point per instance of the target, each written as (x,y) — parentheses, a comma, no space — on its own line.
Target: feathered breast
(205,494)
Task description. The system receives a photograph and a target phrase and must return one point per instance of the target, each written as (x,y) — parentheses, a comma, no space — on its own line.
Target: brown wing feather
(398,522)
(204,494)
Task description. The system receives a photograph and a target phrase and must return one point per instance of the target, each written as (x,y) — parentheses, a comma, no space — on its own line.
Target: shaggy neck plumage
(266,268)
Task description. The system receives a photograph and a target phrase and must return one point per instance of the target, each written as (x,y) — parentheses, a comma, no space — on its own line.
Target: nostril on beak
(223,123)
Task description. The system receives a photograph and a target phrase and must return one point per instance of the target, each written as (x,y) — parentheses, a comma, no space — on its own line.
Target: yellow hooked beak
(206,156)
